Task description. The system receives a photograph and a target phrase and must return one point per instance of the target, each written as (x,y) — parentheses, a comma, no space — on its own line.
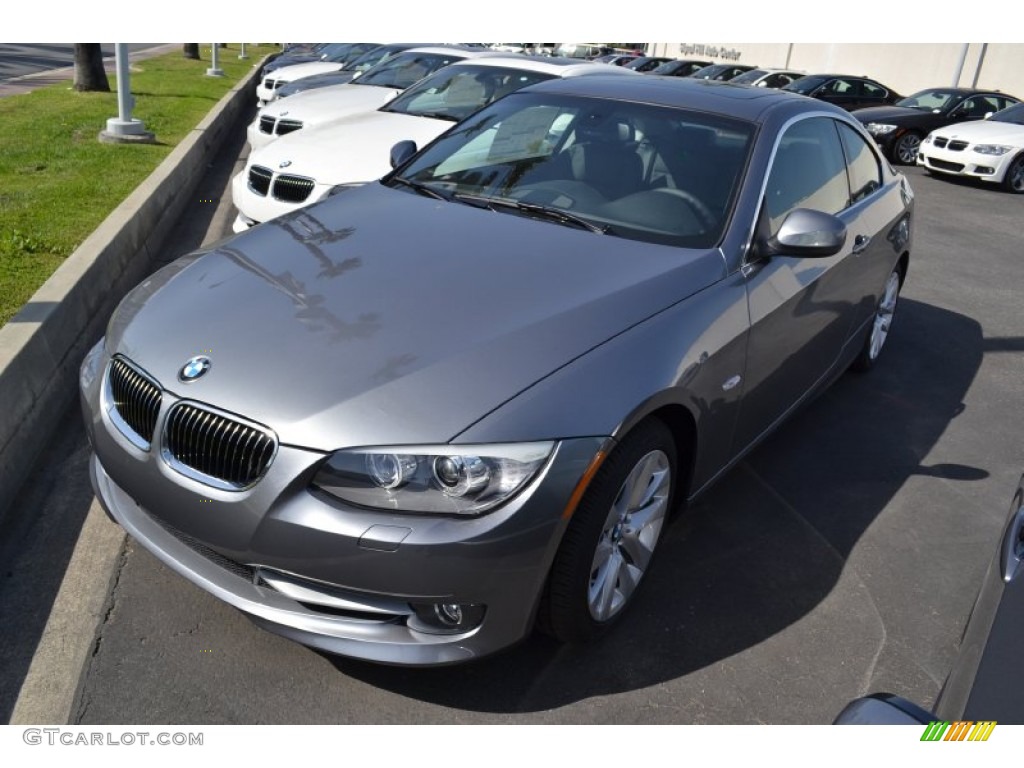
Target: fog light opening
(445,617)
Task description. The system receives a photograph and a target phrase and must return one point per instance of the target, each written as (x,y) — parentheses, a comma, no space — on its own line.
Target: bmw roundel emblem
(285,164)
(194,369)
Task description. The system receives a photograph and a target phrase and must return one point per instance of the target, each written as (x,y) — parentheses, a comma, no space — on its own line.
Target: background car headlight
(992,149)
(880,129)
(459,480)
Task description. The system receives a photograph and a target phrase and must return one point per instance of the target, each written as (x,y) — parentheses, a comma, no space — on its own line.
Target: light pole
(124,128)
(242,54)
(214,70)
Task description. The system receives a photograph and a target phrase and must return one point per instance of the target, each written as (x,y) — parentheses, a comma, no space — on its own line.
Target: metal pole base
(126,132)
(211,72)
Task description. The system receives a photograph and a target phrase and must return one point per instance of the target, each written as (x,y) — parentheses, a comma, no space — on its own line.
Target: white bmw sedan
(377,86)
(991,150)
(303,167)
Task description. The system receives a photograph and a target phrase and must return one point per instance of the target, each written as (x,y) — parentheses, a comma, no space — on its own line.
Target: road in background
(841,557)
(24,66)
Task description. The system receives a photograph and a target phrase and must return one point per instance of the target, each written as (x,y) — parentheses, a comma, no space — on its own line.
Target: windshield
(934,99)
(341,53)
(710,73)
(404,69)
(751,76)
(806,85)
(456,93)
(1014,114)
(375,56)
(625,169)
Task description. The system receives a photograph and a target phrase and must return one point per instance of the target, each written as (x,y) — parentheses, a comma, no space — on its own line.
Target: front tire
(904,151)
(881,324)
(611,539)
(1013,181)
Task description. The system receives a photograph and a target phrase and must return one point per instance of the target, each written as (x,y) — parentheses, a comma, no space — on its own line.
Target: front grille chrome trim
(215,447)
(133,400)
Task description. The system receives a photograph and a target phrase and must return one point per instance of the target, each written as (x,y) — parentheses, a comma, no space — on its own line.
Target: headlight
(992,149)
(880,129)
(447,480)
(927,139)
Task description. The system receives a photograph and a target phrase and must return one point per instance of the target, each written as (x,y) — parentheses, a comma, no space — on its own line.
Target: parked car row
(903,125)
(306,145)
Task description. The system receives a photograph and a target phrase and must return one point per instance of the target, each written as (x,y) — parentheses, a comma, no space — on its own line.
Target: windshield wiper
(421,188)
(533,209)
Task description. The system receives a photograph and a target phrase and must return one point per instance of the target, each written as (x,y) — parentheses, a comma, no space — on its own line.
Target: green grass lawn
(58,182)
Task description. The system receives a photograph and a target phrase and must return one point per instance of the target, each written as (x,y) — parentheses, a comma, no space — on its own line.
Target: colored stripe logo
(961,730)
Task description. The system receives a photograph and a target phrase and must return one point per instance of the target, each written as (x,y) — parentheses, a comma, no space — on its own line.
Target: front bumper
(259,208)
(965,162)
(327,575)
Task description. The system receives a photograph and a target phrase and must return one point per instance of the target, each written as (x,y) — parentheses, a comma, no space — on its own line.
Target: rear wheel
(612,536)
(885,313)
(1013,181)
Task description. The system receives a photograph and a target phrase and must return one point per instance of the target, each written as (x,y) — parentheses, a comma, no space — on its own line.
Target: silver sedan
(417,419)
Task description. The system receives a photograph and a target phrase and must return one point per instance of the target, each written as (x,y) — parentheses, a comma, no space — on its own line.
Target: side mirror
(883,709)
(809,234)
(401,152)
(988,115)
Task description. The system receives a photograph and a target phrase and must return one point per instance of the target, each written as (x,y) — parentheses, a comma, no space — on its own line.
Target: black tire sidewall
(565,613)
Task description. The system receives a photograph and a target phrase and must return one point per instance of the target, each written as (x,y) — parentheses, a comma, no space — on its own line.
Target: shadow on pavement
(751,557)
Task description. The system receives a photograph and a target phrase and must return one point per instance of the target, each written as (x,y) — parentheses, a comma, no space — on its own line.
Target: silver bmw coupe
(415,420)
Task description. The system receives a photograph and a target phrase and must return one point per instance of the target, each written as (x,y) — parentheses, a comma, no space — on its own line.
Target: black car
(900,128)
(647,63)
(848,92)
(984,686)
(679,67)
(721,71)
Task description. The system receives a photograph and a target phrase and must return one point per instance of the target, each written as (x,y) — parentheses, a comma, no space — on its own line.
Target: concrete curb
(50,688)
(42,346)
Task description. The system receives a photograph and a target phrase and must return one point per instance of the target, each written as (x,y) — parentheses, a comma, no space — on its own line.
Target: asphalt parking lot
(841,557)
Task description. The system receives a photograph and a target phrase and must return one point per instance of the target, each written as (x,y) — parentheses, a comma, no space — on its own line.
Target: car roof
(448,49)
(555,65)
(741,101)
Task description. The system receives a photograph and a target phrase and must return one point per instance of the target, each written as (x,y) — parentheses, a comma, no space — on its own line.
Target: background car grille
(266,124)
(957,146)
(945,165)
(292,189)
(136,399)
(259,179)
(217,447)
(288,126)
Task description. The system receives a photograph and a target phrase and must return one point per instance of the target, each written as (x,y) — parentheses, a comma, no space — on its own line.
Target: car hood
(889,114)
(986,130)
(330,103)
(382,317)
(306,69)
(352,149)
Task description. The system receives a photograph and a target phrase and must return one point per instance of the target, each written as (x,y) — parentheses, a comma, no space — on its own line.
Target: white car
(991,150)
(766,77)
(302,168)
(336,56)
(377,86)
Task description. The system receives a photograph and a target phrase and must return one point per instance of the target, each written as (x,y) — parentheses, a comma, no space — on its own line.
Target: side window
(865,171)
(977,107)
(872,91)
(840,87)
(809,171)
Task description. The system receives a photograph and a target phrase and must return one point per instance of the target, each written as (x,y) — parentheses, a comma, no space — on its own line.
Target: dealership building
(904,67)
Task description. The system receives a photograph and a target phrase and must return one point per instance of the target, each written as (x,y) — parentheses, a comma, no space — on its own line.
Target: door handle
(860,243)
